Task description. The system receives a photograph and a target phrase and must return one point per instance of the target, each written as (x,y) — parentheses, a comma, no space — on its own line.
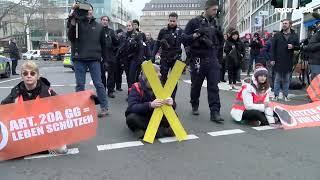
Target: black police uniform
(110,62)
(131,53)
(170,40)
(204,62)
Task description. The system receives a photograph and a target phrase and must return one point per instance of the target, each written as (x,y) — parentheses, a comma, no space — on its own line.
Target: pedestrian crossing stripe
(163,93)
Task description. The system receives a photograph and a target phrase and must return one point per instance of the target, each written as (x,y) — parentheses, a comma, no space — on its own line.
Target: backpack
(138,88)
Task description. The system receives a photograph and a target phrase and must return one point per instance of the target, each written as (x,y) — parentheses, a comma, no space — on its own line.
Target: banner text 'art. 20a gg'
(43,124)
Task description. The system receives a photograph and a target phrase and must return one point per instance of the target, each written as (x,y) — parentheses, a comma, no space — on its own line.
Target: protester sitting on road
(141,103)
(252,102)
(33,86)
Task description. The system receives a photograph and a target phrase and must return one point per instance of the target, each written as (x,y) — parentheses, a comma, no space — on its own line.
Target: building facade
(156,12)
(230,14)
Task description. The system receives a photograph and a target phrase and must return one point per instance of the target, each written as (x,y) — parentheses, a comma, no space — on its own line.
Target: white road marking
(119,145)
(226,132)
(10,80)
(174,139)
(264,128)
(70,152)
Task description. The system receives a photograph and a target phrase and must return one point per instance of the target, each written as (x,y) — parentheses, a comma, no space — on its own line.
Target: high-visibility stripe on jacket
(314,89)
(238,106)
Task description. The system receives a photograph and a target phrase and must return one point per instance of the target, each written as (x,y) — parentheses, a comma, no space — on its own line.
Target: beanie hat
(260,71)
(119,31)
(211,3)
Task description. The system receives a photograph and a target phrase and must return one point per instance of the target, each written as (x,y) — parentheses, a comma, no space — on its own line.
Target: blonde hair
(30,65)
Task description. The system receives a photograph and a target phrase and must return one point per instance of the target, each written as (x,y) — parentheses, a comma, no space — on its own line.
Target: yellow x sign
(163,93)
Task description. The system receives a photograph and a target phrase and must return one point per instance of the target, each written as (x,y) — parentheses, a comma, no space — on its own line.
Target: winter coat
(42,90)
(313,49)
(283,56)
(141,104)
(91,42)
(14,51)
(255,48)
(234,56)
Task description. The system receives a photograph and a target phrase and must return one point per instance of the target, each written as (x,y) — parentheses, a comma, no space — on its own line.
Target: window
(278,17)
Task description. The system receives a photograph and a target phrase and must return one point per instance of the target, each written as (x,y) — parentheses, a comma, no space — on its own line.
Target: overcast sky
(137,5)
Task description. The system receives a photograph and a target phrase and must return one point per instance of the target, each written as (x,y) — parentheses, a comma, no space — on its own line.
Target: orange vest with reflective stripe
(238,104)
(314,89)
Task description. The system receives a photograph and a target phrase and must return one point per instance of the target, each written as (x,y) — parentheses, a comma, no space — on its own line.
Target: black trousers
(233,70)
(103,76)
(255,115)
(209,69)
(111,78)
(118,75)
(223,70)
(166,65)
(14,66)
(140,122)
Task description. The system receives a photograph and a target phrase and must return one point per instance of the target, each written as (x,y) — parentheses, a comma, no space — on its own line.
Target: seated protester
(252,102)
(32,87)
(141,103)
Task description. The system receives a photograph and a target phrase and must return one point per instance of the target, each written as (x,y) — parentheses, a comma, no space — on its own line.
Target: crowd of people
(210,53)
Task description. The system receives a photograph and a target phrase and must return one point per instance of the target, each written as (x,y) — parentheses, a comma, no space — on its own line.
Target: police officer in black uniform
(131,53)
(169,39)
(205,40)
(109,64)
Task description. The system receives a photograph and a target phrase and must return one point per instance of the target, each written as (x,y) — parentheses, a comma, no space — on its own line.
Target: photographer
(87,48)
(255,46)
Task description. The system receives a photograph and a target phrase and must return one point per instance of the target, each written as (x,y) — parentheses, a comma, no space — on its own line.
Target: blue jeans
(284,79)
(315,70)
(80,69)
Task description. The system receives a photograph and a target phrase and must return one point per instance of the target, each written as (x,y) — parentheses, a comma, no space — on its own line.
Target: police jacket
(205,26)
(313,49)
(42,90)
(131,47)
(283,56)
(170,40)
(111,45)
(91,42)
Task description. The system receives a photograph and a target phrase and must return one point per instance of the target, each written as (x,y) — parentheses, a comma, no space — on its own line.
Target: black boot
(215,117)
(111,95)
(195,111)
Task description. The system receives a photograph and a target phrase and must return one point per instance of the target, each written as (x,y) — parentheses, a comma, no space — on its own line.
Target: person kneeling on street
(141,103)
(32,87)
(252,102)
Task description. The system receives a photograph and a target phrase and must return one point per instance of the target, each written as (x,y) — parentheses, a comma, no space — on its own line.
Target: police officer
(131,53)
(109,63)
(205,39)
(119,65)
(169,39)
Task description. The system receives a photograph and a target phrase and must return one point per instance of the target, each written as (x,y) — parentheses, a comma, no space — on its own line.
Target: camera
(81,10)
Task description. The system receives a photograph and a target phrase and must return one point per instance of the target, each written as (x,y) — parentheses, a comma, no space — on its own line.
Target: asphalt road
(231,152)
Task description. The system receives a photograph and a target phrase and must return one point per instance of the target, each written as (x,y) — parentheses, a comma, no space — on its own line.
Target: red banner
(293,117)
(42,124)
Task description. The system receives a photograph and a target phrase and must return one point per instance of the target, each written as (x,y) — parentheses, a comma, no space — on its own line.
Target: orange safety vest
(314,89)
(238,104)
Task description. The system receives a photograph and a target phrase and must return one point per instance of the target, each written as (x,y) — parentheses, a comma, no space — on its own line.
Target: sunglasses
(26,73)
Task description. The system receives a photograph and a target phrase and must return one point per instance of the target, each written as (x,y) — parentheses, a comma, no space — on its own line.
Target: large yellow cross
(163,93)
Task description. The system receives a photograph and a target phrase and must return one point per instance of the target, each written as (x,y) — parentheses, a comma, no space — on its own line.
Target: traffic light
(302,3)
(277,3)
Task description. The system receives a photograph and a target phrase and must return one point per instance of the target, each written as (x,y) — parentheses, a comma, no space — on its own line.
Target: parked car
(31,55)
(5,67)
(67,62)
